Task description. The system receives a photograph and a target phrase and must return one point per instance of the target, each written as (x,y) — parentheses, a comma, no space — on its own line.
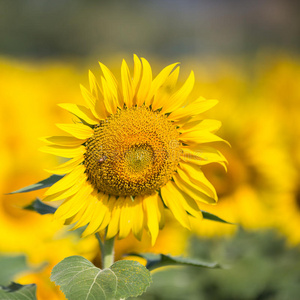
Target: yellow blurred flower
(249,193)
(28,95)
(279,82)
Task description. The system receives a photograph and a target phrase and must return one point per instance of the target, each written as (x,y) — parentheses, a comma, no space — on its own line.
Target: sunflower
(137,148)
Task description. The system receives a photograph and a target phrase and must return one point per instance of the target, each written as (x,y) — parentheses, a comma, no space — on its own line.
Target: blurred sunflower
(250,194)
(253,185)
(278,81)
(137,147)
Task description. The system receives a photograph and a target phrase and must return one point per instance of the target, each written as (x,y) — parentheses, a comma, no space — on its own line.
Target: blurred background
(243,53)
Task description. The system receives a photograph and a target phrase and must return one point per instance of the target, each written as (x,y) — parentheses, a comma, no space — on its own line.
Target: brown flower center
(134,152)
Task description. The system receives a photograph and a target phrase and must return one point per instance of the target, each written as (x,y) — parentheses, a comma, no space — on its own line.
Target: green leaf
(11,266)
(79,279)
(161,260)
(40,207)
(39,185)
(17,291)
(212,217)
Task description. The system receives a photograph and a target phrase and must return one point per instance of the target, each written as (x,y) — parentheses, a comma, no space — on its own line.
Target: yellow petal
(165,91)
(131,218)
(138,218)
(192,191)
(158,81)
(200,136)
(112,84)
(89,209)
(179,98)
(95,105)
(74,219)
(145,84)
(109,99)
(105,210)
(174,206)
(126,84)
(78,130)
(63,140)
(194,176)
(68,166)
(80,112)
(94,86)
(152,205)
(202,155)
(125,217)
(115,206)
(67,181)
(74,203)
(67,152)
(100,213)
(110,79)
(195,108)
(67,193)
(137,72)
(205,125)
(186,201)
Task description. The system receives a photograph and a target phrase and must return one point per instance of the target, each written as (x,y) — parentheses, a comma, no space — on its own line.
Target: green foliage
(79,279)
(39,185)
(17,291)
(212,217)
(40,207)
(161,260)
(10,267)
(260,267)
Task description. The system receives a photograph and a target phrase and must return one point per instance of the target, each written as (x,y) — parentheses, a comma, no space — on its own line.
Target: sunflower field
(229,197)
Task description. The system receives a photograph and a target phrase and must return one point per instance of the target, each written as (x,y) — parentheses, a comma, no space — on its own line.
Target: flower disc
(133,152)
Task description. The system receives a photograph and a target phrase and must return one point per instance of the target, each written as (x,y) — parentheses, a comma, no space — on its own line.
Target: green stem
(107,251)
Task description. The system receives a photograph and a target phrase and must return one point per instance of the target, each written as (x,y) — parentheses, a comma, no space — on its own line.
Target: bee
(102,159)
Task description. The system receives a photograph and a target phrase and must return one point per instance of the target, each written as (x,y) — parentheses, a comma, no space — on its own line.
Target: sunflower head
(136,149)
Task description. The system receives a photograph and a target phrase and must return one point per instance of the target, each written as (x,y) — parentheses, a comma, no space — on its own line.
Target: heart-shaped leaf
(17,291)
(79,279)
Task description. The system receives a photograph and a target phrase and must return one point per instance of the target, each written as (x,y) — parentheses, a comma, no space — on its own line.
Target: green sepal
(161,260)
(40,207)
(212,217)
(79,279)
(39,185)
(16,291)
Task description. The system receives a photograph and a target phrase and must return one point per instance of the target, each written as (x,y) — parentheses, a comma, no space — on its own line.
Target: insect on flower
(102,159)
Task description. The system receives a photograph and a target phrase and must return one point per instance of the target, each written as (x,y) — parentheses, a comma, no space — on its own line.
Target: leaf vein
(93,284)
